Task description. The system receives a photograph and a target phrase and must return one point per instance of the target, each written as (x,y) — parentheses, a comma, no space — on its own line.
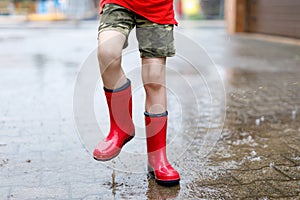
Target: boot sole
(167,183)
(107,159)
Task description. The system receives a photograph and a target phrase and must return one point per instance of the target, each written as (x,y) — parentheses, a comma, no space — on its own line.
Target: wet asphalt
(234,113)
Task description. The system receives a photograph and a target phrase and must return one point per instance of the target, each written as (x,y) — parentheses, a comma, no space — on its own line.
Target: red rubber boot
(119,103)
(158,165)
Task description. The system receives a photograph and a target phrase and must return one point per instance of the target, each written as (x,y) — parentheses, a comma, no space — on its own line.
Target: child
(154,21)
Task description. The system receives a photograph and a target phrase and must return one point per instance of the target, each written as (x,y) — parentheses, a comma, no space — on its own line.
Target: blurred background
(52,10)
(258,16)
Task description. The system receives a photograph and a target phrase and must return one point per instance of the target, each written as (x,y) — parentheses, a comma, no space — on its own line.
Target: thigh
(154,70)
(111,43)
(155,40)
(116,18)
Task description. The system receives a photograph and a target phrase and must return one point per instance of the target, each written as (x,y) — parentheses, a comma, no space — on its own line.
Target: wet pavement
(253,154)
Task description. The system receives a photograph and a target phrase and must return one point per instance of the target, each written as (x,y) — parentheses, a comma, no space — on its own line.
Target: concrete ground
(237,142)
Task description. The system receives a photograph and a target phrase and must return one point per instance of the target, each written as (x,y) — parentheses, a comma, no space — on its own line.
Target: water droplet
(253,153)
(294,114)
(243,134)
(257,122)
(255,158)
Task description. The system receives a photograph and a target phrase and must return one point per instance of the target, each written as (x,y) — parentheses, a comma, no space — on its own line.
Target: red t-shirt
(157,11)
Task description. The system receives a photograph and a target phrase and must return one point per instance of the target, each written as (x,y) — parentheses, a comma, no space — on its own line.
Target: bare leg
(110,47)
(119,101)
(154,80)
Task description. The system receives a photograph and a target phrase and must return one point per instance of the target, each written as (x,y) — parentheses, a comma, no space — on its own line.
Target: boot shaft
(156,131)
(119,104)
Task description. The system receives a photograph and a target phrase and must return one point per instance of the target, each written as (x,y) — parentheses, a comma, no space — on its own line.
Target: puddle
(261,125)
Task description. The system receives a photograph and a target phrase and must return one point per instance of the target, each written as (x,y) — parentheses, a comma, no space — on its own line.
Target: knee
(153,86)
(108,57)
(153,79)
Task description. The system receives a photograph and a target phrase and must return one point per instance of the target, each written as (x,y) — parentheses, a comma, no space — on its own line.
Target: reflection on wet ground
(258,152)
(256,156)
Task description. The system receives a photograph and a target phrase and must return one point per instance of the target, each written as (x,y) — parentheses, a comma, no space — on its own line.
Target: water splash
(294,114)
(113,181)
(253,153)
(257,122)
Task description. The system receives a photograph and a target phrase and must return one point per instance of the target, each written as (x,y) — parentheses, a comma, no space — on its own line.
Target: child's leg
(110,47)
(156,118)
(118,95)
(156,42)
(153,75)
(115,25)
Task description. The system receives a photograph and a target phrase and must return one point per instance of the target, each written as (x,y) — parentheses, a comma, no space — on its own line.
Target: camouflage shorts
(155,40)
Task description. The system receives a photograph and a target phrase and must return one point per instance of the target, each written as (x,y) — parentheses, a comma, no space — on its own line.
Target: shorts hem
(156,56)
(112,29)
